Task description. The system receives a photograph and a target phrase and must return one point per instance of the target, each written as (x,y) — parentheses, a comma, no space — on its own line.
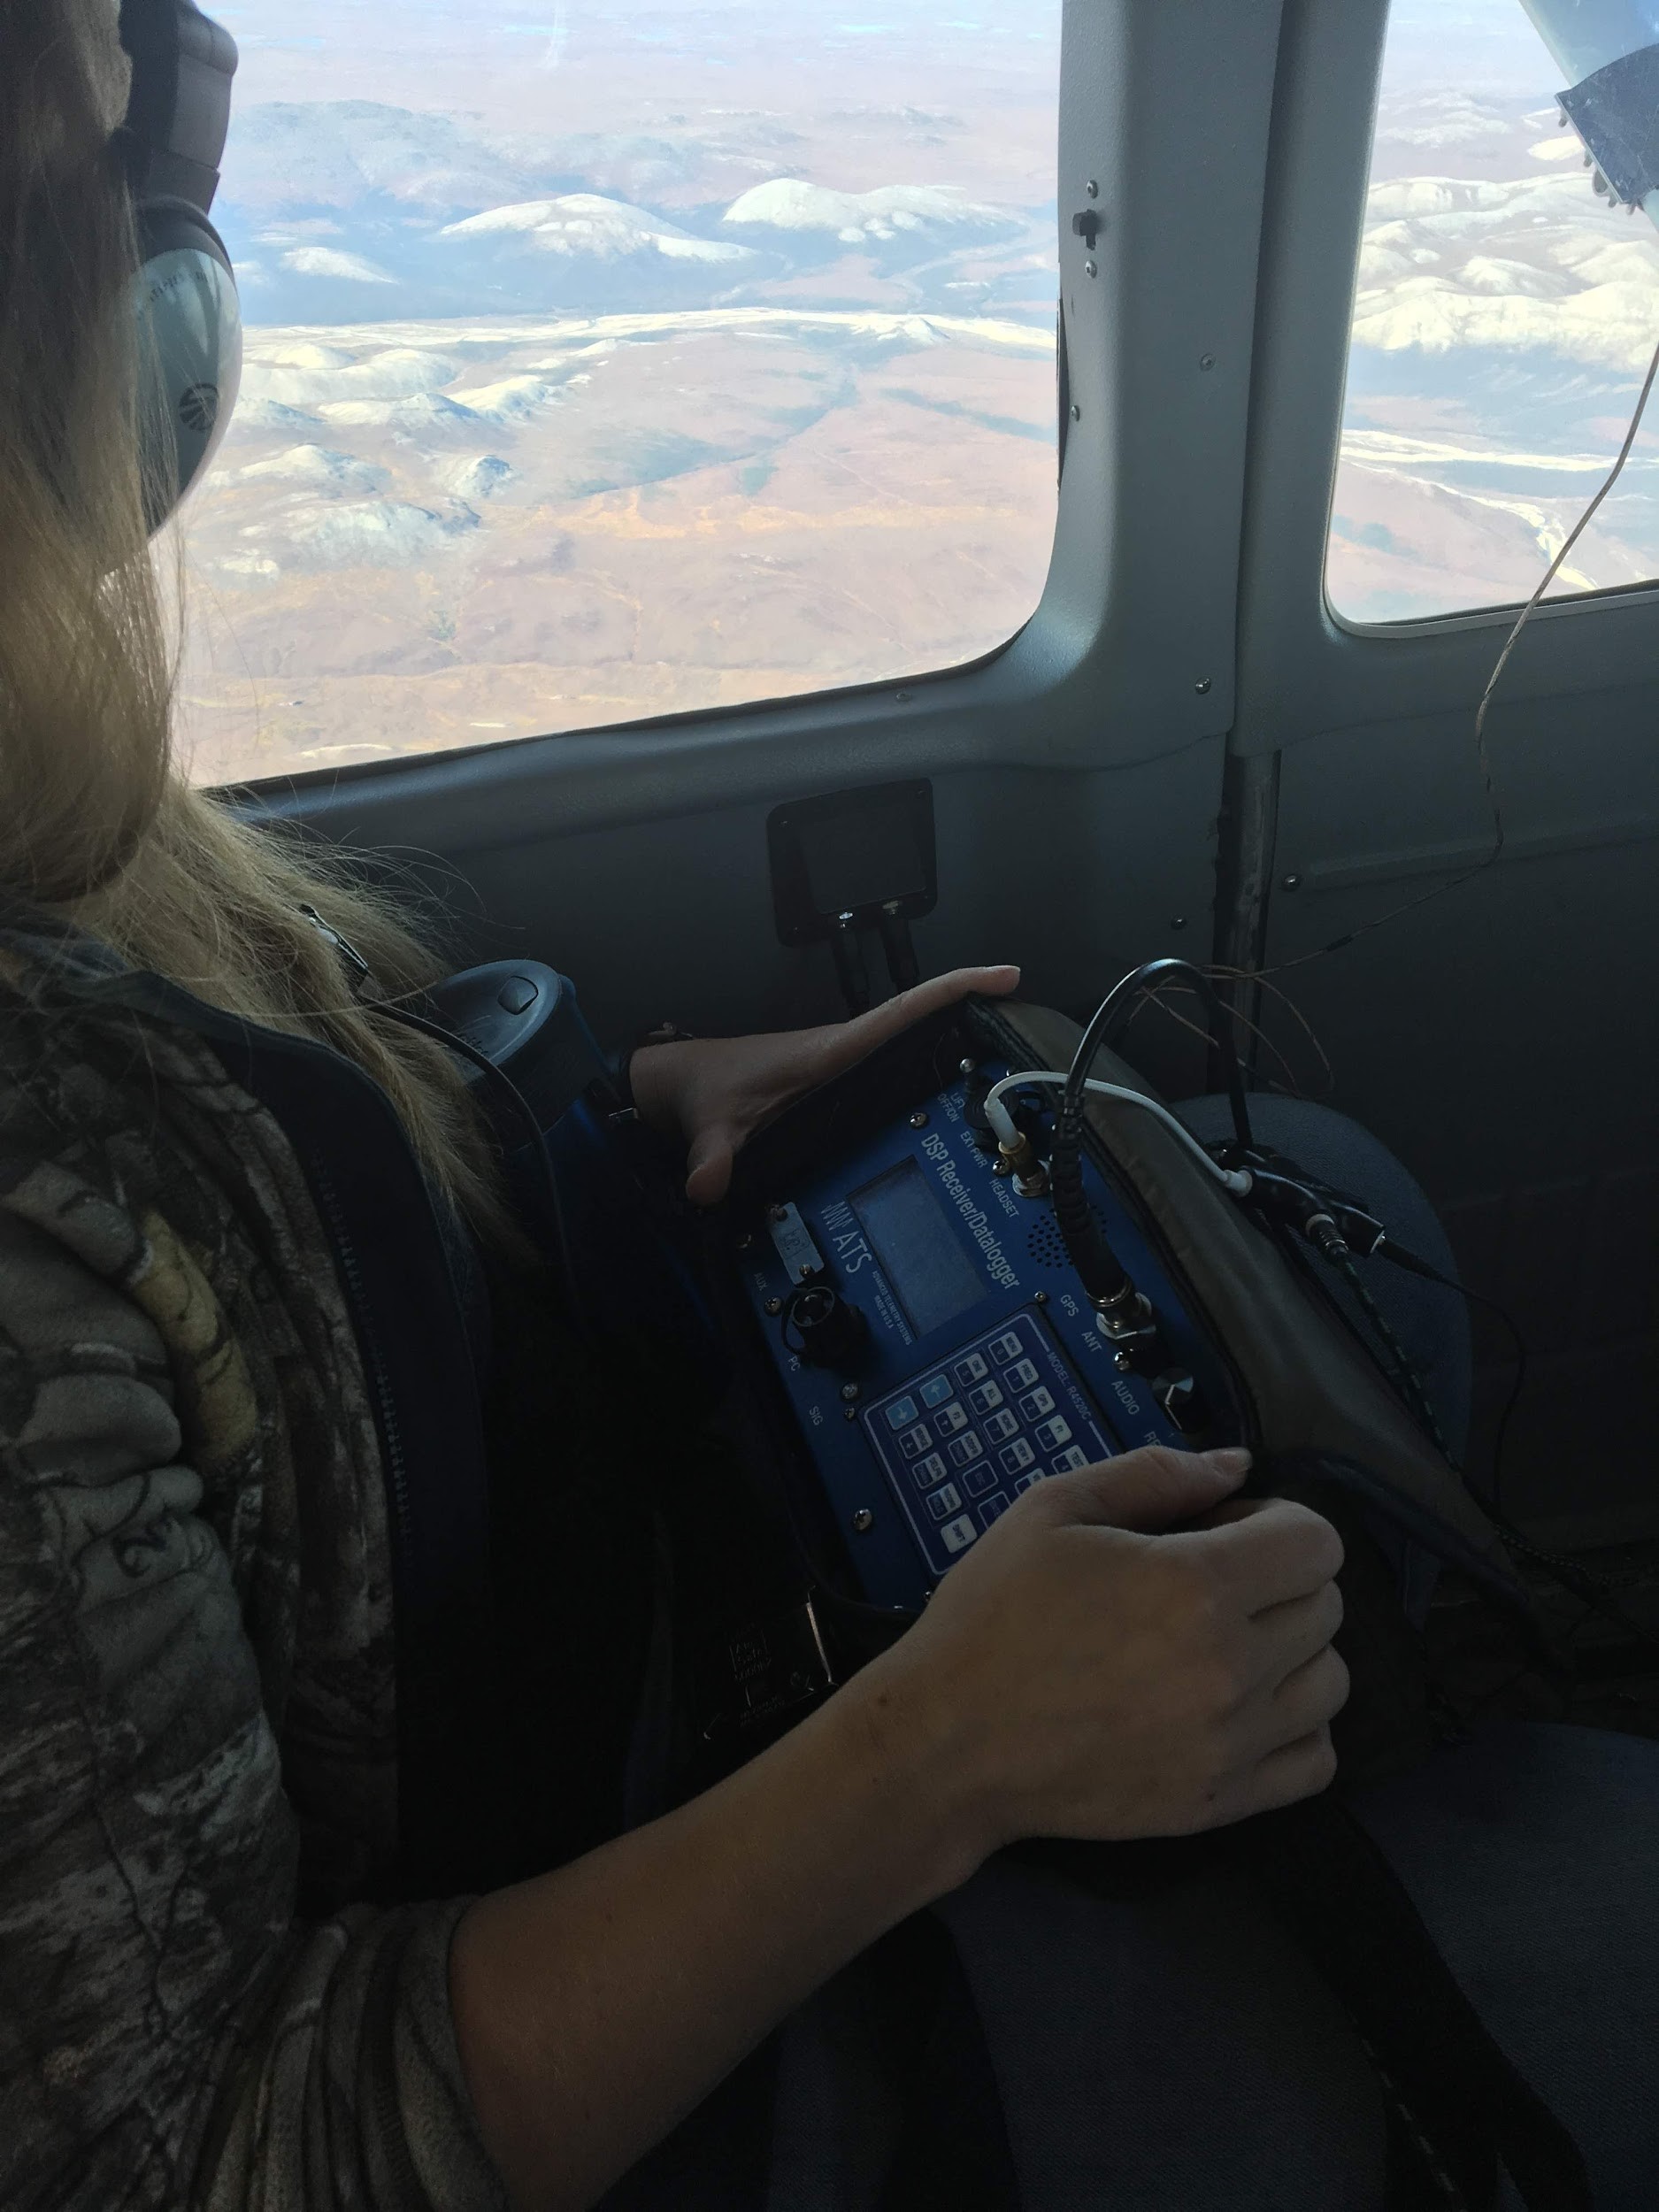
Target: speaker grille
(1045,1243)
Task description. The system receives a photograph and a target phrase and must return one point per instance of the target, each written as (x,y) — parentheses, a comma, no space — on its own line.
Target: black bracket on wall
(855,860)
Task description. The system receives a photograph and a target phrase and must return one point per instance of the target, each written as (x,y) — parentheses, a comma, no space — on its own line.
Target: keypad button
(993,1509)
(1021,1377)
(928,1472)
(972,1370)
(1004,1349)
(914,1440)
(966,1448)
(950,1420)
(1075,1456)
(980,1478)
(946,1499)
(1017,1455)
(936,1389)
(1036,1403)
(1025,1482)
(998,1425)
(902,1412)
(985,1398)
(1053,1433)
(958,1534)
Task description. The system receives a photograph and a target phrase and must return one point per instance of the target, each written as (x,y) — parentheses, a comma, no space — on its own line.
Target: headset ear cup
(189,349)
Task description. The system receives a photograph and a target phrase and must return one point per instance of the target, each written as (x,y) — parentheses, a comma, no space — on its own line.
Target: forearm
(594,2005)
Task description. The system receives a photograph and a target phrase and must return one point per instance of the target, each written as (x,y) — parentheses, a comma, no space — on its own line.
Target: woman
(215,1988)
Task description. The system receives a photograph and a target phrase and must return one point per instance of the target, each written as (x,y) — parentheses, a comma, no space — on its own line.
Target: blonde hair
(97,822)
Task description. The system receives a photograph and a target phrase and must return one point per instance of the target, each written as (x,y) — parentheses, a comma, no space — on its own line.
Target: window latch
(1088,225)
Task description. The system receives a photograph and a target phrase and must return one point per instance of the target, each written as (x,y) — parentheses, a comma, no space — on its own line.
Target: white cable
(1234,1181)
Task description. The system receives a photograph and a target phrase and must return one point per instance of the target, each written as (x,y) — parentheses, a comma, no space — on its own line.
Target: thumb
(709,1166)
(1151,1489)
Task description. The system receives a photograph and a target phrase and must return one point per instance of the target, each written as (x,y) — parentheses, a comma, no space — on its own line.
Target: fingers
(855,1037)
(1293,1772)
(1272,1552)
(1288,1635)
(1151,1489)
(709,1166)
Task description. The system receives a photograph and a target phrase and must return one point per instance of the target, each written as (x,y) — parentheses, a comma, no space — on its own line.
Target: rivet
(774,1305)
(849,1391)
(744,1242)
(1093,189)
(1290,883)
(1076,413)
(1206,360)
(1178,921)
(863,1521)
(1201,685)
(919,1121)
(1091,268)
(904,698)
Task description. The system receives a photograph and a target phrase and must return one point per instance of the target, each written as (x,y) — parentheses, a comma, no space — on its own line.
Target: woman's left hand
(715,1092)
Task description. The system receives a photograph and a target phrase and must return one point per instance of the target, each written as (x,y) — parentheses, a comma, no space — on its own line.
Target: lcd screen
(920,1254)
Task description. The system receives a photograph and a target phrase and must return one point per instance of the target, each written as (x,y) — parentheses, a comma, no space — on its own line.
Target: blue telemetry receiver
(936,1347)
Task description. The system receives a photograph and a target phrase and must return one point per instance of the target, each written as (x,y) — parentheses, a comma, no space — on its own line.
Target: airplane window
(611,357)
(1504,319)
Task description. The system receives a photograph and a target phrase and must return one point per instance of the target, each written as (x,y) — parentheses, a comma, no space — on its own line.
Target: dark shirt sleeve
(170,2034)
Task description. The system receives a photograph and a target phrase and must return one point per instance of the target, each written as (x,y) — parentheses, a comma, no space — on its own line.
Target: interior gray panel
(1077,876)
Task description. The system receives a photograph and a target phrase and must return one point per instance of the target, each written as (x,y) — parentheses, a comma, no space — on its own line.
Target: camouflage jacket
(197,1682)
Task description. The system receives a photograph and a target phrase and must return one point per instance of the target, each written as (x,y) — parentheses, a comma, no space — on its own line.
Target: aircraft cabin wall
(1184,707)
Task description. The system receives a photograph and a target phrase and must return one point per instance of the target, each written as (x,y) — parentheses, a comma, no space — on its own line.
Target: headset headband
(177,110)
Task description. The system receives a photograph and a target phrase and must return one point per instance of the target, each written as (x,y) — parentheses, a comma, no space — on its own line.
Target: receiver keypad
(960,1442)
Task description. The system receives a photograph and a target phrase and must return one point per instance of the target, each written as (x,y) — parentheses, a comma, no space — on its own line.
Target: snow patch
(790,203)
(396,373)
(316,466)
(328,261)
(475,475)
(589,223)
(387,532)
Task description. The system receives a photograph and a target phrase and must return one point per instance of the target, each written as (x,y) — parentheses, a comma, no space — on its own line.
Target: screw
(1120,1361)
(1093,189)
(774,1305)
(1290,883)
(744,1242)
(1201,685)
(849,1391)
(1039,1297)
(849,1413)
(863,1521)
(778,1213)
(967,1067)
(919,1121)
(1178,921)
(1076,413)
(1091,268)
(804,1271)
(1206,360)
(1001,1167)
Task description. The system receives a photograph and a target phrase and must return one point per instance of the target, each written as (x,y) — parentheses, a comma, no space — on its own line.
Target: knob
(1185,1406)
(831,1330)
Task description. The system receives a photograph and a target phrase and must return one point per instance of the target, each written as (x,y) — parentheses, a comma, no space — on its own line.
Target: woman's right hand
(1083,1672)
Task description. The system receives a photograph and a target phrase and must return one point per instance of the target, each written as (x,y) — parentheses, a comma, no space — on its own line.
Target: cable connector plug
(1031,1177)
